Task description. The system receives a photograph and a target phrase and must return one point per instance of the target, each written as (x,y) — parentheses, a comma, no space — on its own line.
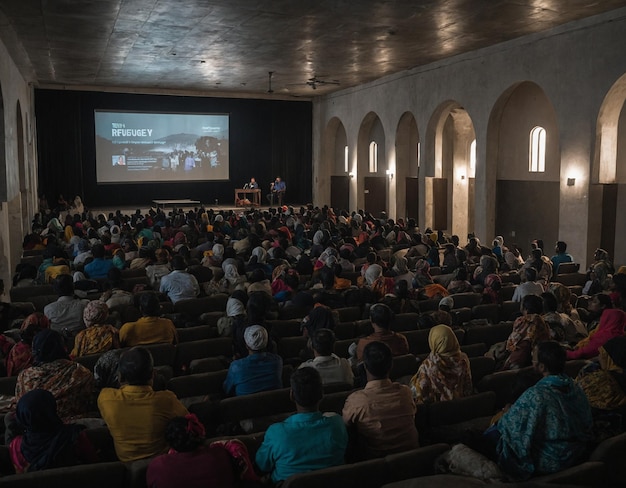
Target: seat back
(194,333)
(205,348)
(198,384)
(489,334)
(405,365)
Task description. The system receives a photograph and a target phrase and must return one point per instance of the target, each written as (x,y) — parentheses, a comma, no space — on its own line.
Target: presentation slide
(134,147)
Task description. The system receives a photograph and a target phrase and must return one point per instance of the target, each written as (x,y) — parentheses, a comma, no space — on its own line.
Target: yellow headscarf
(442,340)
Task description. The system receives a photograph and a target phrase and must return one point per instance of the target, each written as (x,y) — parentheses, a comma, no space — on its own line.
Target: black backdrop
(267,139)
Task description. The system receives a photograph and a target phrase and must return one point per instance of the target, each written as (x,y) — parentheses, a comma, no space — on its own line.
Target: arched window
(346,163)
(373,157)
(537,150)
(472,159)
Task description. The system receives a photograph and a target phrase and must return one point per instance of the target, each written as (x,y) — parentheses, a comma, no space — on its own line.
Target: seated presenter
(277,189)
(253,185)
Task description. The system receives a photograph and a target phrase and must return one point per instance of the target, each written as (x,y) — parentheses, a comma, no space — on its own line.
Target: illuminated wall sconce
(351,175)
(571,181)
(390,174)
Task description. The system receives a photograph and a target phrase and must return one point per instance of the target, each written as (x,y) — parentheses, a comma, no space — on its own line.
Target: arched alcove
(372,186)
(340,162)
(449,188)
(608,172)
(526,199)
(407,166)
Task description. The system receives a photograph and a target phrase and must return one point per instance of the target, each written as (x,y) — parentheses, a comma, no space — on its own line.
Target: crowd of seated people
(268,262)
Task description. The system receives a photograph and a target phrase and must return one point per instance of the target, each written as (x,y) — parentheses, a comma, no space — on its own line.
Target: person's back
(383,413)
(331,368)
(307,440)
(179,284)
(529,287)
(66,314)
(547,429)
(381,318)
(99,267)
(561,256)
(259,371)
(135,414)
(149,329)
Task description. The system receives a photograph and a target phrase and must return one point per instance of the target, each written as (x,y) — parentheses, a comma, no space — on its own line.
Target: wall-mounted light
(351,175)
(571,181)
(389,173)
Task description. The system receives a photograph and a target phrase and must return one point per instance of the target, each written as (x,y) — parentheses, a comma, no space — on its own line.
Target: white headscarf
(372,273)
(318,237)
(234,307)
(218,252)
(260,253)
(231,274)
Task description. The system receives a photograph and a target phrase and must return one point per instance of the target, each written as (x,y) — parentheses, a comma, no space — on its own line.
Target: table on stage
(241,196)
(187,202)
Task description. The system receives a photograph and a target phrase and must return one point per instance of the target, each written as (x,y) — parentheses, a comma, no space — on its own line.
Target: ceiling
(227,47)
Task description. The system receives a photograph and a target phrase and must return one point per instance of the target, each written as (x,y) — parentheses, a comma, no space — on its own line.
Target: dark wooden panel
(340,193)
(375,194)
(609,214)
(411,186)
(440,203)
(527,210)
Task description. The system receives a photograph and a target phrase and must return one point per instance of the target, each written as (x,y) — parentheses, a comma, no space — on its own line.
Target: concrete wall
(575,65)
(18,206)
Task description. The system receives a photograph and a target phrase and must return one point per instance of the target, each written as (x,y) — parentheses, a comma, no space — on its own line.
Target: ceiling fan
(315,82)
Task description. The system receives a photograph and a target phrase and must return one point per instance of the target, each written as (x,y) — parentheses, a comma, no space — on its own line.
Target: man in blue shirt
(278,189)
(259,371)
(307,440)
(99,267)
(561,256)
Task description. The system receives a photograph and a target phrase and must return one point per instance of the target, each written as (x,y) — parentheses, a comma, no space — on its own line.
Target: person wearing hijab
(98,336)
(422,274)
(611,325)
(528,330)
(46,441)
(401,271)
(20,356)
(576,330)
(232,279)
(493,284)
(445,374)
(70,383)
(604,381)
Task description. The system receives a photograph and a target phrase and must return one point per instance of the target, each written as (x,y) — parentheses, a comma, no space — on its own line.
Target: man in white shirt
(179,284)
(530,287)
(331,367)
(66,314)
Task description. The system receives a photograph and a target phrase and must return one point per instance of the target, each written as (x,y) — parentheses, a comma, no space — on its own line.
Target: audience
(272,244)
